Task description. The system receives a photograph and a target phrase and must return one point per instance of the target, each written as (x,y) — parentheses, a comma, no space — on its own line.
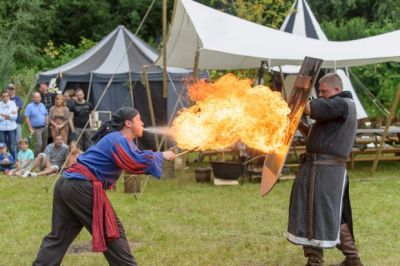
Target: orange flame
(228,111)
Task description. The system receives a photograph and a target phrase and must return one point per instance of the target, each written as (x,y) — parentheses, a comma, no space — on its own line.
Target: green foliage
(6,61)
(382,80)
(349,20)
(25,22)
(380,11)
(55,56)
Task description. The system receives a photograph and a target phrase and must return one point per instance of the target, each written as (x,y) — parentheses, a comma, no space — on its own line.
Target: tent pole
(283,83)
(149,101)
(90,86)
(164,51)
(196,64)
(261,72)
(131,89)
(385,131)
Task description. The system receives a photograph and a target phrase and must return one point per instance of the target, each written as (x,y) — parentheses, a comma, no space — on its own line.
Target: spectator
(74,152)
(82,118)
(18,102)
(8,126)
(47,98)
(51,160)
(69,98)
(6,159)
(59,117)
(25,158)
(36,119)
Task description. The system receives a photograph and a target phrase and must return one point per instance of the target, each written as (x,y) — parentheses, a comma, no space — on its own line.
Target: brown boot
(348,248)
(314,256)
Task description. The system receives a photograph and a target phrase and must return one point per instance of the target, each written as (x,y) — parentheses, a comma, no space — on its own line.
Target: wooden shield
(274,162)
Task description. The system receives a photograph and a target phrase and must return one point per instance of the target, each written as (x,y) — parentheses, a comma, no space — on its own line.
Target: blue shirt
(36,112)
(114,153)
(7,156)
(24,156)
(18,102)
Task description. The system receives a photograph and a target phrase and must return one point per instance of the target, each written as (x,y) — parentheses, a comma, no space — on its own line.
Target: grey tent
(301,21)
(120,57)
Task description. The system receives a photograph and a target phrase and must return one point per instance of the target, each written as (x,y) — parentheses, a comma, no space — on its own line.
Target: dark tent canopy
(121,57)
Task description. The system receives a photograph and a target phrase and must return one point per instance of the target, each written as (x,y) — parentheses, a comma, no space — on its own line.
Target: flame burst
(228,111)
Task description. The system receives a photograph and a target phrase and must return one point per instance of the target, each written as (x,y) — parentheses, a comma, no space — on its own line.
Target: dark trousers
(41,135)
(9,137)
(72,209)
(86,137)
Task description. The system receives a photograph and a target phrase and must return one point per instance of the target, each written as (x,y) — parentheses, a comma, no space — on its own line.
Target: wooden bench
(357,155)
(369,154)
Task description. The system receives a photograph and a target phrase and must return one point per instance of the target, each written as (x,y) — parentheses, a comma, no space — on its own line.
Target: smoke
(166,131)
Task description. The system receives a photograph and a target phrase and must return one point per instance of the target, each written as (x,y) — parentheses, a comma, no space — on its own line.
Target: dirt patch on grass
(86,247)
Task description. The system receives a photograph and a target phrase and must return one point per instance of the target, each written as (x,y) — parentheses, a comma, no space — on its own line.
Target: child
(24,158)
(6,159)
(74,153)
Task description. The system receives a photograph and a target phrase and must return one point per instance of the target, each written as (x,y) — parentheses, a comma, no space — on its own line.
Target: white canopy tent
(301,21)
(228,42)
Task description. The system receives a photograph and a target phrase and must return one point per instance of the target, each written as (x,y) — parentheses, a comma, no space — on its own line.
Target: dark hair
(116,123)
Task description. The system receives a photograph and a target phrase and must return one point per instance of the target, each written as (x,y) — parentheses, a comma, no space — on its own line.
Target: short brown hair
(23,141)
(333,80)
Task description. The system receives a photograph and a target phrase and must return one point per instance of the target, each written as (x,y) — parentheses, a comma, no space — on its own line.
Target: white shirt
(10,109)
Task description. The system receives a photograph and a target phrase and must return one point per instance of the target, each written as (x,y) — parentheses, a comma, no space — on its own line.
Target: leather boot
(314,255)
(348,248)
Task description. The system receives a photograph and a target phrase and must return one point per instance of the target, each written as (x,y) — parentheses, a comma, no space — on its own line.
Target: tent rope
(90,86)
(370,95)
(174,109)
(105,90)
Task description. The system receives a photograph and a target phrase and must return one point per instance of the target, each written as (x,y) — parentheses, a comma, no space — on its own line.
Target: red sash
(104,226)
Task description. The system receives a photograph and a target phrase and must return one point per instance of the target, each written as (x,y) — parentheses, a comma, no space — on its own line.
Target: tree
(348,20)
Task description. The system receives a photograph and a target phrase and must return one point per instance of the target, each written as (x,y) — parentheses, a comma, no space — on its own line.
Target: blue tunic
(114,153)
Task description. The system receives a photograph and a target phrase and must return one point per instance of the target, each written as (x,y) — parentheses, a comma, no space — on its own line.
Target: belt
(38,127)
(325,159)
(317,159)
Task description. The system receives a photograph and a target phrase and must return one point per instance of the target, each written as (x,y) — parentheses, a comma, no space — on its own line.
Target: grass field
(181,222)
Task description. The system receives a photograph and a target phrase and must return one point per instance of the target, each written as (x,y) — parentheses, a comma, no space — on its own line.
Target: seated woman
(25,158)
(6,159)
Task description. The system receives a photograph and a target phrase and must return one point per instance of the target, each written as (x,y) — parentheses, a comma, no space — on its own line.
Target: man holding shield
(320,211)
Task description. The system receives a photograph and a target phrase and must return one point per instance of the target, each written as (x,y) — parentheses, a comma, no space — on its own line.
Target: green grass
(181,222)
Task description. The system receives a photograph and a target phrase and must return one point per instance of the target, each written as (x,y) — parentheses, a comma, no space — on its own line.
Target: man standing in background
(82,112)
(47,98)
(36,118)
